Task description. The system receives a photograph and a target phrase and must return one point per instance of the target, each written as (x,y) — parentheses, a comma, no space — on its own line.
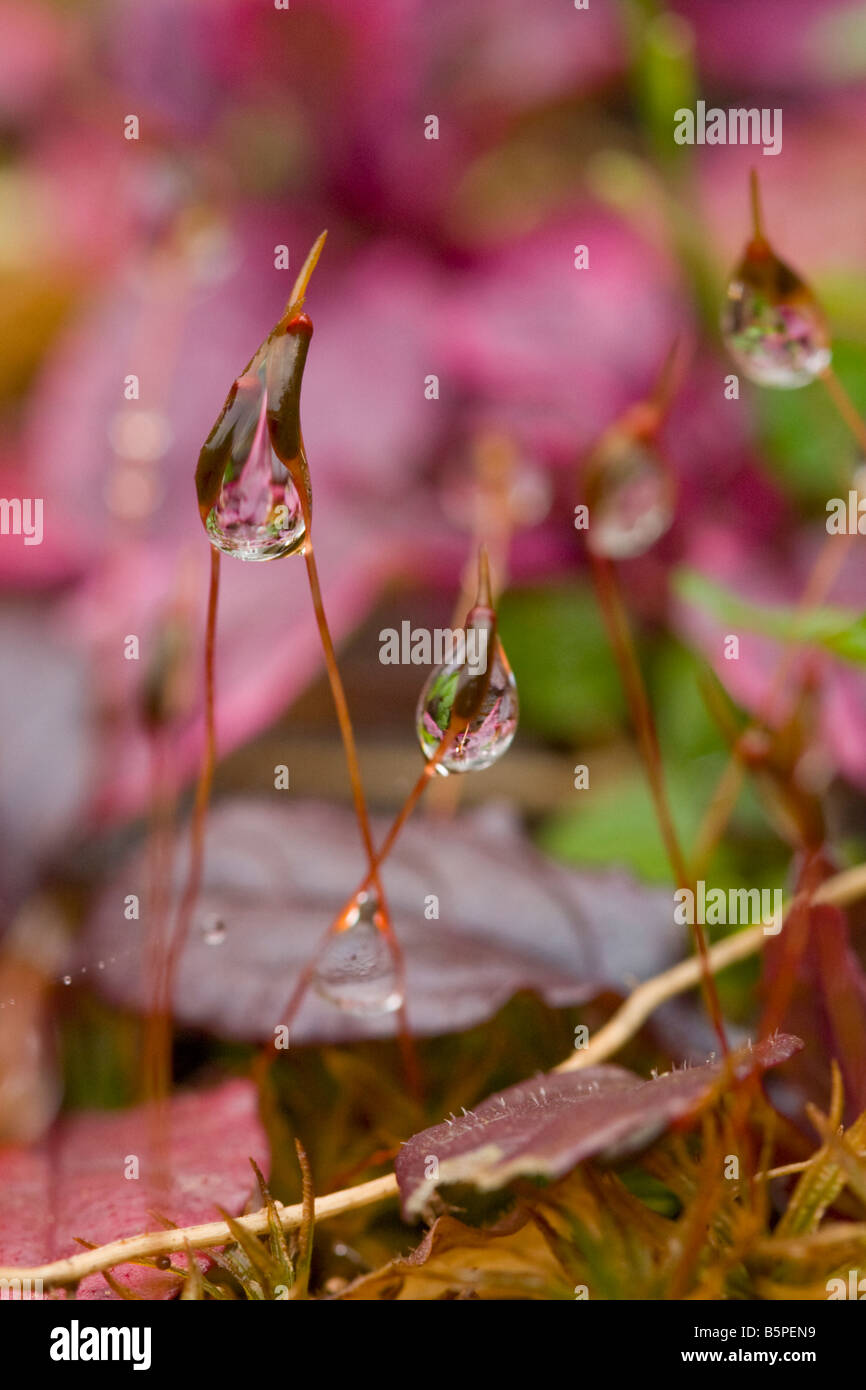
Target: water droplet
(502,485)
(773,326)
(630,494)
(356,971)
(491,731)
(257,514)
(213,930)
(67,979)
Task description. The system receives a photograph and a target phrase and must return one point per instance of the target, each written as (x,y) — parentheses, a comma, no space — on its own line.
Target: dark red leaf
(509,919)
(545,1127)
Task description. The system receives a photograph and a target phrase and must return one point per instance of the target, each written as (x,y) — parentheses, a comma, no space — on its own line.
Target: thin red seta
(759,239)
(822,578)
(166,981)
(619,632)
(382,918)
(155,1054)
(341,922)
(467,701)
(845,407)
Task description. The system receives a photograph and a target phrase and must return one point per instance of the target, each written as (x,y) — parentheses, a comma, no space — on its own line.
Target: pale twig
(212,1233)
(843,888)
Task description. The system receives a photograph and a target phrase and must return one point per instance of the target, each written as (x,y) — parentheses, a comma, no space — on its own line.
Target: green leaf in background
(555,640)
(838,40)
(616,823)
(663,72)
(802,437)
(838,630)
(685,726)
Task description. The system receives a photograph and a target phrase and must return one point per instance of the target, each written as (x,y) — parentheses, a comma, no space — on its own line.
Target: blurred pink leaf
(537,342)
(368,431)
(47,746)
(840,688)
(36,44)
(74,1186)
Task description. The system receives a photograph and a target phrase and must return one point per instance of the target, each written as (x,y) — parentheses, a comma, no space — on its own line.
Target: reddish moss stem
(192,887)
(845,407)
(269,1052)
(619,633)
(344,720)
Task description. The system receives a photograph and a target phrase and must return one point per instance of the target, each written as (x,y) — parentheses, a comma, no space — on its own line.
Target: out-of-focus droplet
(491,731)
(140,435)
(257,514)
(500,487)
(356,971)
(213,930)
(67,979)
(630,495)
(772,324)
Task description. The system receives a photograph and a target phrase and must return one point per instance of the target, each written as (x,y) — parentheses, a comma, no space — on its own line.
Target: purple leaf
(45,765)
(509,920)
(75,1186)
(545,1127)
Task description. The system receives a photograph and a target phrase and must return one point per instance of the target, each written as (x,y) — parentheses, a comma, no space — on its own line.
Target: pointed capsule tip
(668,380)
(299,289)
(484,597)
(758,234)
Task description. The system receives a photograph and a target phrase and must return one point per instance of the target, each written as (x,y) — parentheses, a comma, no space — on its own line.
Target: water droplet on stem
(356,971)
(772,324)
(630,494)
(213,930)
(257,514)
(474,697)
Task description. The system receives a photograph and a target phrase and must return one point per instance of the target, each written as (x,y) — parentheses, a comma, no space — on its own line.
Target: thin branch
(212,1233)
(647,997)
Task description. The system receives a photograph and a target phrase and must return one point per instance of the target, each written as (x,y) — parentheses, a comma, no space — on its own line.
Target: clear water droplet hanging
(257,514)
(772,324)
(630,493)
(472,701)
(356,970)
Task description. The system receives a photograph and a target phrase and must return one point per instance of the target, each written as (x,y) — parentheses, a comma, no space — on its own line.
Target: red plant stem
(616,622)
(823,576)
(351,751)
(338,924)
(154,1052)
(156,1049)
(192,886)
(845,406)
